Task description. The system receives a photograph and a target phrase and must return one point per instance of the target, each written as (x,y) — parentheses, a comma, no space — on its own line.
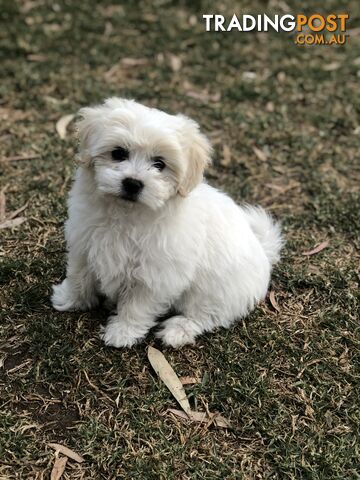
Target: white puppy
(145,230)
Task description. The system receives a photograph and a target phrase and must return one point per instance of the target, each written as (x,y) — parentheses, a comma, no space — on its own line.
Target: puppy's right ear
(197,150)
(85,128)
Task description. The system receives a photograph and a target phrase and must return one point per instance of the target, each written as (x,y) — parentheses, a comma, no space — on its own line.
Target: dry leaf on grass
(169,377)
(226,156)
(204,96)
(273,300)
(270,107)
(202,417)
(2,205)
(12,223)
(58,468)
(62,124)
(260,154)
(108,29)
(281,76)
(193,20)
(8,221)
(124,64)
(16,212)
(172,381)
(18,158)
(175,63)
(109,73)
(66,451)
(133,62)
(353,31)
(329,67)
(189,380)
(36,57)
(317,249)
(112,10)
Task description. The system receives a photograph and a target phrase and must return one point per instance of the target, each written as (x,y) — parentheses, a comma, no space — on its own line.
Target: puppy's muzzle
(131,188)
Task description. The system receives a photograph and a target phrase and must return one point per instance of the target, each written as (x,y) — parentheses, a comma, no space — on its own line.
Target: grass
(288,381)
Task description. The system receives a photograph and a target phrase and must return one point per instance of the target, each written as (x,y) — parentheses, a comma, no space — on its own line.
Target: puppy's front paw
(176,332)
(119,334)
(64,299)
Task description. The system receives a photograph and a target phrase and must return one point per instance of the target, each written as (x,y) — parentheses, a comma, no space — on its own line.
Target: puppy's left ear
(197,150)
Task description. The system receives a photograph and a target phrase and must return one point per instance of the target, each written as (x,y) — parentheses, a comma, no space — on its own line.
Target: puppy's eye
(158,162)
(120,154)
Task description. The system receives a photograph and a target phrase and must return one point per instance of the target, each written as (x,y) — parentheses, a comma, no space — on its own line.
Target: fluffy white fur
(181,244)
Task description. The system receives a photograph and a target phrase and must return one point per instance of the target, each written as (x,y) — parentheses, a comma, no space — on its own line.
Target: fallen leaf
(122,65)
(160,58)
(31,426)
(293,423)
(273,301)
(58,468)
(165,371)
(202,95)
(225,161)
(309,411)
(112,10)
(270,107)
(109,73)
(27,6)
(281,189)
(50,28)
(329,67)
(202,417)
(16,369)
(226,156)
(175,63)
(62,124)
(16,212)
(281,76)
(12,223)
(66,451)
(2,205)
(340,430)
(215,137)
(108,29)
(150,17)
(133,62)
(17,158)
(193,20)
(353,31)
(260,154)
(34,57)
(317,249)
(189,380)
(2,361)
(249,75)
(205,96)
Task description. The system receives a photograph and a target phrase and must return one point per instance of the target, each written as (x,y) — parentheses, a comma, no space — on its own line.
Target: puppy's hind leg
(180,330)
(199,315)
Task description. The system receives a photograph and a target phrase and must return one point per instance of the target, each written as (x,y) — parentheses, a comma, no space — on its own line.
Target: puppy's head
(141,154)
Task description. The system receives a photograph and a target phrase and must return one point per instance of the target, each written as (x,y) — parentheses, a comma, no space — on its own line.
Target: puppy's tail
(267,230)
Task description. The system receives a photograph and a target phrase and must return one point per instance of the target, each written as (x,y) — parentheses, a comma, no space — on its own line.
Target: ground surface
(285,126)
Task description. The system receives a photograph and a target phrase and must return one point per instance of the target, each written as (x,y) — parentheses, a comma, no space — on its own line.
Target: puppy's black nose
(132,186)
